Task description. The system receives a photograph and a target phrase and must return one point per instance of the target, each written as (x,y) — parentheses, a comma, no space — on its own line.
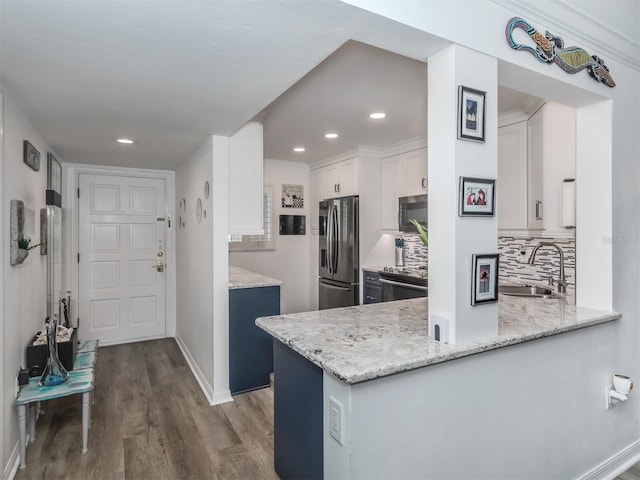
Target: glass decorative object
(54,373)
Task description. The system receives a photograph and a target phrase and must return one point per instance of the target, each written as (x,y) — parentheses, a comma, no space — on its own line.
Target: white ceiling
(169,73)
(338,96)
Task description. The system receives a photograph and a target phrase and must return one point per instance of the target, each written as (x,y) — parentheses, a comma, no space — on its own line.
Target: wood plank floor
(632,474)
(151,421)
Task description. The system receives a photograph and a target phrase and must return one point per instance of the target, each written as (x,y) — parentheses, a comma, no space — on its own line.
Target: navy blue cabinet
(371,288)
(297,427)
(250,348)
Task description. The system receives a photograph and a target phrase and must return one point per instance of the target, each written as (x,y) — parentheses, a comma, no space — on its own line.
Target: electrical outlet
(523,257)
(336,420)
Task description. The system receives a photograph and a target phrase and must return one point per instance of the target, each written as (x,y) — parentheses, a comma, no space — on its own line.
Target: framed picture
(31,155)
(54,173)
(476,197)
(471,112)
(484,284)
(292,196)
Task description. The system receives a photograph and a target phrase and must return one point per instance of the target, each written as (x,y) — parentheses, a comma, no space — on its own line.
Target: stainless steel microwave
(412,208)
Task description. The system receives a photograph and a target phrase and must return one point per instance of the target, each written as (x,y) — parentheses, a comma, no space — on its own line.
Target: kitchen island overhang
(361,343)
(503,411)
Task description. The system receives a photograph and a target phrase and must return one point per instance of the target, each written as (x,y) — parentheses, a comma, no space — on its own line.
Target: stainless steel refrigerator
(339,254)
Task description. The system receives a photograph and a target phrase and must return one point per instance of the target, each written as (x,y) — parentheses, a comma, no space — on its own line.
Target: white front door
(122,245)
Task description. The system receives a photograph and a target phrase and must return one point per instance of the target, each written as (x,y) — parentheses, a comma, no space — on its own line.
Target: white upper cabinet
(511,191)
(559,151)
(246,164)
(334,180)
(534,157)
(316,196)
(391,189)
(338,179)
(403,175)
(414,172)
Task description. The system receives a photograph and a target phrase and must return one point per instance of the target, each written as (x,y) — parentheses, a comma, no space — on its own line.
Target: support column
(453,239)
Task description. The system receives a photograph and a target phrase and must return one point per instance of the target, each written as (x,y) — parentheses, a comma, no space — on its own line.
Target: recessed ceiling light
(299,149)
(330,135)
(377,115)
(126,141)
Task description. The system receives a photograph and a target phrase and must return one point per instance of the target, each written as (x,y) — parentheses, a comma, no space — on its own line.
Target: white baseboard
(222,397)
(616,464)
(200,377)
(11,468)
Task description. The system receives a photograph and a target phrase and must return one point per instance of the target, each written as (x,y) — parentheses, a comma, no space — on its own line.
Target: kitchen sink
(527,291)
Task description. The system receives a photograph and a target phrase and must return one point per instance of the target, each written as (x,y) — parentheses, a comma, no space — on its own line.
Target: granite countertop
(361,343)
(241,278)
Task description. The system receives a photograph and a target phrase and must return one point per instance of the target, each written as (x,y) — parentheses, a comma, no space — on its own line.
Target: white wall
(290,262)
(194,260)
(202,307)
(455,239)
(610,430)
(24,284)
(528,412)
(2,259)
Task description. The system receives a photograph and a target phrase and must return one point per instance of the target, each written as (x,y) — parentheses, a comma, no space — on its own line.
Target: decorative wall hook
(550,48)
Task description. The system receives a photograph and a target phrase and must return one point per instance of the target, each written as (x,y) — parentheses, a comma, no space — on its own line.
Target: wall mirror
(54,234)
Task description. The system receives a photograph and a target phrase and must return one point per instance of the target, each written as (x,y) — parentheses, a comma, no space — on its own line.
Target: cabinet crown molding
(403,147)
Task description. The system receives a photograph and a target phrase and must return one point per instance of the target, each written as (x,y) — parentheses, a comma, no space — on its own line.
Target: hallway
(151,420)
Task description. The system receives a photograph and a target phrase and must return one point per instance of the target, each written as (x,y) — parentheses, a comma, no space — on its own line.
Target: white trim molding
(616,464)
(70,175)
(11,468)
(594,36)
(213,397)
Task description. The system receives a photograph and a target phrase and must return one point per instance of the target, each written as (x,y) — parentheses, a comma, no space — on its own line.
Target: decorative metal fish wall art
(550,48)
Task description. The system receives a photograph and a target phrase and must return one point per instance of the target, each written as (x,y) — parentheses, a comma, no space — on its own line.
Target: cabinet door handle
(539,210)
(424,182)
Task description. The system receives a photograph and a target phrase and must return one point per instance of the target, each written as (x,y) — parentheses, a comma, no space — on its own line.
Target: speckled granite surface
(362,343)
(241,278)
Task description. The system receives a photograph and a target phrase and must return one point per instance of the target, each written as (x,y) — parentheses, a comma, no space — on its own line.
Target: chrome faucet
(562,281)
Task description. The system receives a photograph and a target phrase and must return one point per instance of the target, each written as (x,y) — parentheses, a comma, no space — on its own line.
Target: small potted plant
(24,245)
(421,231)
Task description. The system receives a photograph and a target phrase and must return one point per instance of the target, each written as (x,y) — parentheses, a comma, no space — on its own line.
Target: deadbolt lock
(160,254)
(159,266)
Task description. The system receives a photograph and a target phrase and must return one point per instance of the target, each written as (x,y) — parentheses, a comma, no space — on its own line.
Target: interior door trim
(71,175)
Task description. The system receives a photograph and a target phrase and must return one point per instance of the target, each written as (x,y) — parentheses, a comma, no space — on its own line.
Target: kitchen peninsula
(352,398)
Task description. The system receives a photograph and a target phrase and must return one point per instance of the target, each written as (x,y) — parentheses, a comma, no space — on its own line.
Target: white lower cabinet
(403,175)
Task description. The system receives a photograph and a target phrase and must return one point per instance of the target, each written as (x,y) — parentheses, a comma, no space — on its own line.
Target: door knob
(159,266)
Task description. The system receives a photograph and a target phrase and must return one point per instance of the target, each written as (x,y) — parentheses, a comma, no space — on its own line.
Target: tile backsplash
(415,253)
(514,266)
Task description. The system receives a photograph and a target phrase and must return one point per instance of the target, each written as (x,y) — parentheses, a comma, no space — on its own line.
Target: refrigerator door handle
(329,239)
(326,285)
(336,235)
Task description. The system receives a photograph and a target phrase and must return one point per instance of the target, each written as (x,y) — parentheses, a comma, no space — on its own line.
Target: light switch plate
(336,420)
